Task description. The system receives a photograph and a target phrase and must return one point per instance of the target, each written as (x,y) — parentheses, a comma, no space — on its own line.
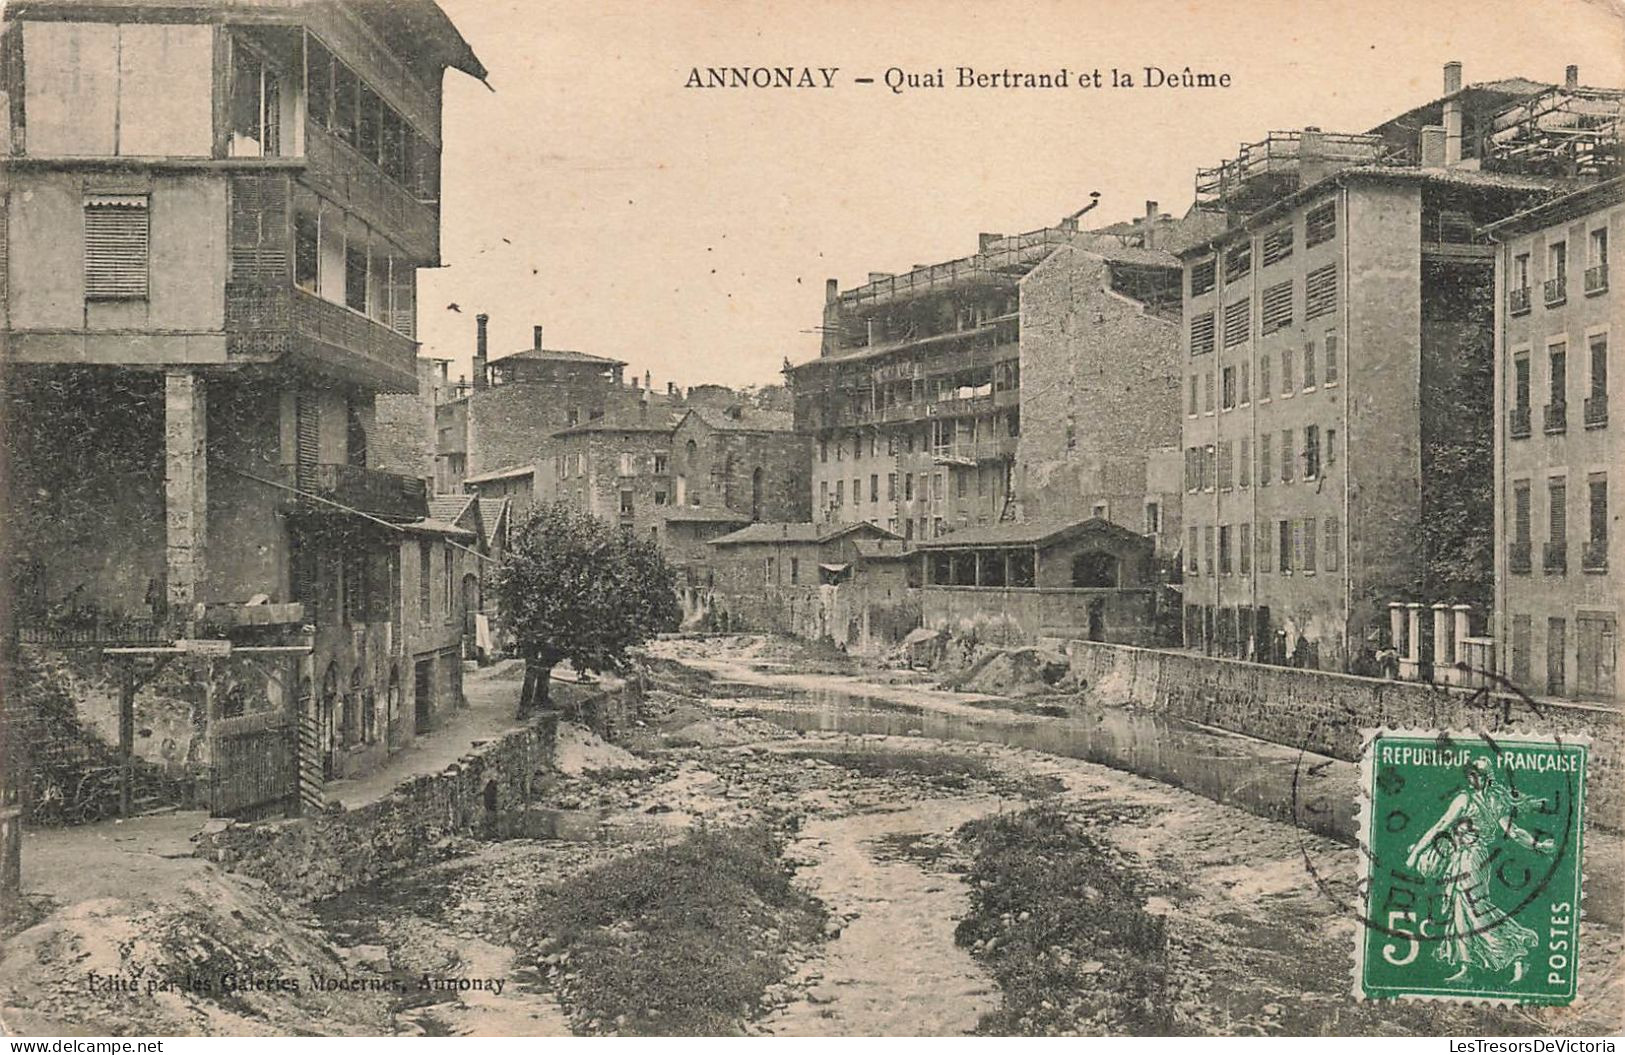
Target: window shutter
(1320,292)
(116,245)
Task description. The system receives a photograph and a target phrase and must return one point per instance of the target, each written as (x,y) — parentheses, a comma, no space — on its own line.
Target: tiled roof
(661,422)
(558,355)
(797,532)
(450,508)
(507,472)
(705,515)
(1030,533)
(431,526)
(492,512)
(882,548)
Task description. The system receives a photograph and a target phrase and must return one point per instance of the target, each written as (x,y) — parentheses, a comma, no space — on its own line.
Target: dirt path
(894,970)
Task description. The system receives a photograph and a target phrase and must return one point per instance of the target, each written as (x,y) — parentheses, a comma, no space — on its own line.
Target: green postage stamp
(1472,850)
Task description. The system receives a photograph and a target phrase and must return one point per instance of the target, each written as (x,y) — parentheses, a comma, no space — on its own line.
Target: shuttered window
(1278,245)
(116,245)
(1277,307)
(1238,261)
(1237,323)
(1202,278)
(1202,333)
(1320,224)
(1320,292)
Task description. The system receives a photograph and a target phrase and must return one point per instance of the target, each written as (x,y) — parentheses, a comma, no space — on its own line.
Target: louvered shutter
(259,227)
(116,245)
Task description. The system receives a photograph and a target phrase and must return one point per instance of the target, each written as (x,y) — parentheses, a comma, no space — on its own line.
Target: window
(857,489)
(1238,261)
(1311,452)
(1334,543)
(1597,491)
(1245,373)
(1207,391)
(1559,358)
(874,486)
(1193,387)
(767,570)
(1286,371)
(1286,456)
(1284,549)
(1330,447)
(425,559)
(660,464)
(1278,245)
(1520,512)
(1599,377)
(1520,271)
(319,84)
(823,450)
(1153,518)
(1331,358)
(346,89)
(1228,389)
(1224,549)
(626,503)
(1277,307)
(1191,551)
(1244,466)
(1520,382)
(255,115)
(116,246)
(908,487)
(1308,551)
(1320,224)
(1265,468)
(1207,550)
(823,494)
(1320,292)
(1192,468)
(1557,518)
(1308,365)
(1226,465)
(306,251)
(1266,559)
(1244,549)
(1264,376)
(795,570)
(891,487)
(1201,278)
(1237,322)
(1597,247)
(840,492)
(1595,654)
(1557,263)
(1210,470)
(1202,333)
(660,498)
(447,571)
(355,278)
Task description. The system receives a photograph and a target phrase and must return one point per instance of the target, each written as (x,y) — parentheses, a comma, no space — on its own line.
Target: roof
(450,508)
(617,424)
(1562,209)
(414,25)
(1459,177)
(705,515)
(750,419)
(557,355)
(1486,96)
(505,473)
(431,526)
(493,511)
(1031,533)
(882,548)
(796,532)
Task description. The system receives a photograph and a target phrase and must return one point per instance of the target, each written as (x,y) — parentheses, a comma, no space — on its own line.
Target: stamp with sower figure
(1472,867)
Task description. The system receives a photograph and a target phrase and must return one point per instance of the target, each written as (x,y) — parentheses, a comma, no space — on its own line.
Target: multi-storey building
(915,404)
(1558,560)
(618,471)
(1338,342)
(214,217)
(517,403)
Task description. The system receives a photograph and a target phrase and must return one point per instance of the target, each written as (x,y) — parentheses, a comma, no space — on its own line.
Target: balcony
(1556,290)
(267,320)
(1518,301)
(1596,279)
(381,494)
(1594,556)
(1554,558)
(1520,561)
(1518,423)
(991,450)
(1556,419)
(1596,411)
(341,171)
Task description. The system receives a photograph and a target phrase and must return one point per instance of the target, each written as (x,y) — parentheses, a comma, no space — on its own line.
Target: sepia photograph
(737,518)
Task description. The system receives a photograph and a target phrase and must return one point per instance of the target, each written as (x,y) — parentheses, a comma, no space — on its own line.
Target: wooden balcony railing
(362,187)
(266,320)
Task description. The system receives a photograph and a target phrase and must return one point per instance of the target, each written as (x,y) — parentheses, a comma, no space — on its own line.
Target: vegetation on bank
(1059,921)
(678,940)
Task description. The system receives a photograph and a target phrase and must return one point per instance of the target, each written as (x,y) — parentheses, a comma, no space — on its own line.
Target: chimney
(1452,114)
(986,239)
(1312,166)
(536,337)
(832,290)
(671,388)
(647,379)
(1149,238)
(1571,77)
(481,350)
(1432,147)
(635,382)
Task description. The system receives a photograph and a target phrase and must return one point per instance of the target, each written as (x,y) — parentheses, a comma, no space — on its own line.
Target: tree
(574,588)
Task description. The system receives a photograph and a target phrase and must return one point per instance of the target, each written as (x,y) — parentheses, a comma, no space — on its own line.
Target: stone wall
(1326,712)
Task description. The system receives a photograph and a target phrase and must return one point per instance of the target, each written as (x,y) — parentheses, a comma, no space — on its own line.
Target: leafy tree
(574,588)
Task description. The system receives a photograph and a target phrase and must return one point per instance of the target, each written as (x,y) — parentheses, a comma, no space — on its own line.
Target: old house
(617,470)
(742,459)
(1088,579)
(768,575)
(210,277)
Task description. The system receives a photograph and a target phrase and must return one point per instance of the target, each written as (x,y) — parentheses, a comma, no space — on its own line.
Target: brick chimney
(1149,237)
(481,349)
(1452,114)
(536,337)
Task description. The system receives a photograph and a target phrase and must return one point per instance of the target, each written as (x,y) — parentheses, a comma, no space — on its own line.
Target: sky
(690,231)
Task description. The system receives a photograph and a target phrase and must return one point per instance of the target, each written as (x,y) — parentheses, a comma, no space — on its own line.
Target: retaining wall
(1326,712)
